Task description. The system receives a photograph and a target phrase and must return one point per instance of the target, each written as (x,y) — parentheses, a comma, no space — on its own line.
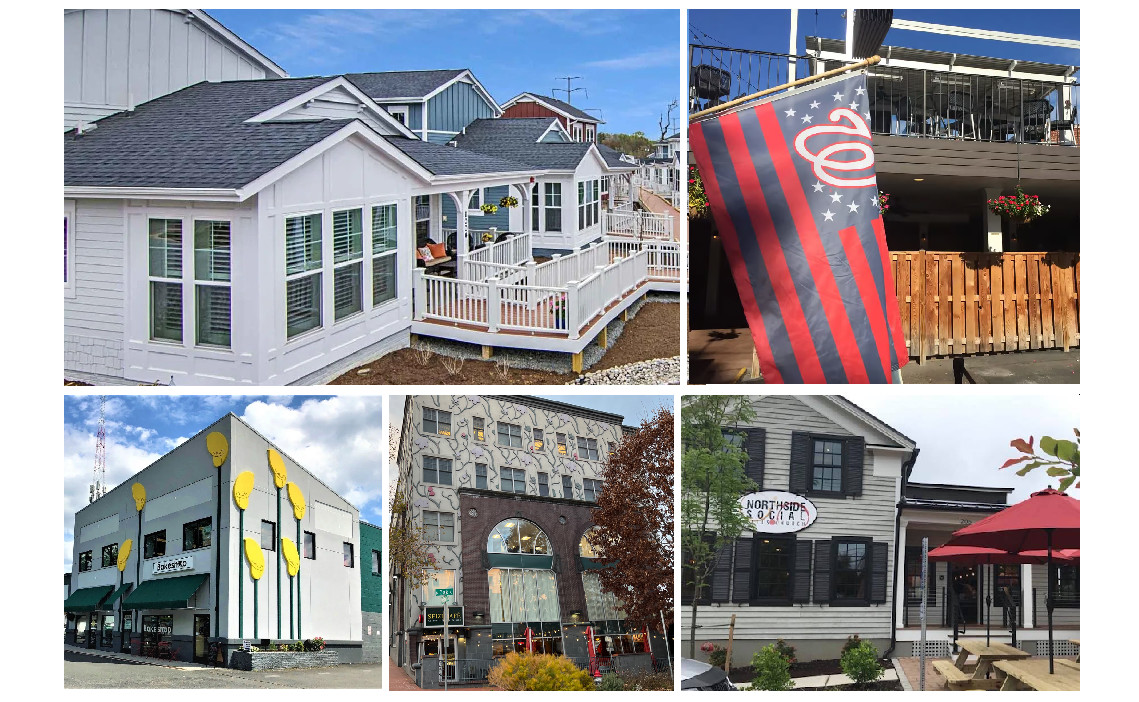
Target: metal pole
(1051,648)
(446,643)
(216,532)
(664,630)
(277,547)
(988,599)
(240,575)
(924,585)
(300,596)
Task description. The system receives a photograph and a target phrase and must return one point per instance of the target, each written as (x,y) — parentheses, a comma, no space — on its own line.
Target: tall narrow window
(268,535)
(212,282)
(384,241)
(166,279)
(538,439)
(310,546)
(84,561)
(561,438)
(349,555)
(347,262)
(154,544)
(479,427)
(553,207)
(375,562)
(69,247)
(303,260)
(480,476)
(826,466)
(850,572)
(544,484)
(535,208)
(588,195)
(567,487)
(110,555)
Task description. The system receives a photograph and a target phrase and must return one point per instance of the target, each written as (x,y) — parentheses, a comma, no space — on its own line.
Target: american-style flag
(793,190)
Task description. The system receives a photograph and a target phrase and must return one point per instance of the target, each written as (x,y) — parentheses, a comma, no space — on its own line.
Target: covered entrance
(202,638)
(965,589)
(157,632)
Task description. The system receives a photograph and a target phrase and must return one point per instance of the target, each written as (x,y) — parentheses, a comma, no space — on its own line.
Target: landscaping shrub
(861,664)
(716,655)
(786,650)
(852,641)
(538,671)
(647,681)
(610,682)
(316,643)
(772,669)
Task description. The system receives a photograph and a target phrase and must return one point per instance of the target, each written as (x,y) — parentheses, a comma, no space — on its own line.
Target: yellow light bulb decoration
(218,447)
(124,554)
(255,557)
(277,465)
(139,494)
(298,499)
(292,558)
(242,487)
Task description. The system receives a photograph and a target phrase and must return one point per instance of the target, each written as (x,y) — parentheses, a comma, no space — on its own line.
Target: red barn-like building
(581,125)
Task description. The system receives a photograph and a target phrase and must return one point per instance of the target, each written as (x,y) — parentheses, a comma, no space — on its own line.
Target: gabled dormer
(337,99)
(436,105)
(555,134)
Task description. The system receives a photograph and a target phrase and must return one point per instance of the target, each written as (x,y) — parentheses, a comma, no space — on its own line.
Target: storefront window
(913,578)
(850,572)
(437,580)
(826,466)
(197,534)
(154,544)
(156,633)
(771,579)
(108,630)
(599,604)
(507,637)
(523,595)
(1068,586)
(518,536)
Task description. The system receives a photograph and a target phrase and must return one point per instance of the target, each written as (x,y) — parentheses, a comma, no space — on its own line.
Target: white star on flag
(835,197)
(828,215)
(866,115)
(790,112)
(854,105)
(818,186)
(815,105)
(853,207)
(806,119)
(860,90)
(837,97)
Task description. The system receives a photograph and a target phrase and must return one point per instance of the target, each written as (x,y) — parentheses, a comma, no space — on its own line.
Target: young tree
(635,513)
(665,121)
(409,551)
(712,479)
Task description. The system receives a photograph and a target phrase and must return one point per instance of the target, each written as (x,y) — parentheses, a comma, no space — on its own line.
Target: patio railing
(559,297)
(483,262)
(640,224)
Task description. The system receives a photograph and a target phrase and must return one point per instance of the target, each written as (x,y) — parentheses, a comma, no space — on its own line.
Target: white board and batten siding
(116,58)
(349,175)
(870,515)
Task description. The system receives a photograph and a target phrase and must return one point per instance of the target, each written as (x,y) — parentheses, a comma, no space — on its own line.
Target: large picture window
(509,435)
(850,572)
(212,282)
(826,466)
(553,207)
(437,470)
(599,604)
(436,421)
(772,562)
(110,555)
(197,534)
(347,262)
(165,267)
(517,535)
(385,239)
(303,261)
(523,595)
(513,480)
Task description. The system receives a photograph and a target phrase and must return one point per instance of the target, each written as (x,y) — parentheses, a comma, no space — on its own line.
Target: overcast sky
(964,437)
(338,439)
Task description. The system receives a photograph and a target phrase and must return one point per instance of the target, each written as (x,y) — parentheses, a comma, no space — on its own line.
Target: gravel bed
(658,371)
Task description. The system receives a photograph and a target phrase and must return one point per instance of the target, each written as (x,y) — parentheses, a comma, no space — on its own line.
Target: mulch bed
(653,333)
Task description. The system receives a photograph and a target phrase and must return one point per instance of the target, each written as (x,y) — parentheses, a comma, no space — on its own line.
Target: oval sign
(775,512)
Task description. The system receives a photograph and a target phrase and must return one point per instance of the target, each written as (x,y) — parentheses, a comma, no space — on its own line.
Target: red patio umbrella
(529,640)
(1047,520)
(592,650)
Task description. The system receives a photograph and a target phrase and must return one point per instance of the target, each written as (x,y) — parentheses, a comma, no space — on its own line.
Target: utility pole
(569,90)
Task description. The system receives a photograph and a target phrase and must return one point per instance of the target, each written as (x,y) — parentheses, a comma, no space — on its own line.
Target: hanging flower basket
(883,201)
(489,208)
(697,199)
(1020,206)
(508,201)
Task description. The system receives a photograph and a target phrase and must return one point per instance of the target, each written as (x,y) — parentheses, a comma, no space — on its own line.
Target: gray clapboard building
(160,566)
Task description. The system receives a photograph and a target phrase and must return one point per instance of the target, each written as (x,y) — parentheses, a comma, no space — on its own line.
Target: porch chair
(959,106)
(1037,115)
(904,113)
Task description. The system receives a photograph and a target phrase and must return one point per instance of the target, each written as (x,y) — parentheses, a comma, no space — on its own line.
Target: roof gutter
(907,468)
(105,192)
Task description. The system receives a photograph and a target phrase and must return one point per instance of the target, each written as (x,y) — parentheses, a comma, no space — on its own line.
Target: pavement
(817,681)
(83,668)
(724,356)
(400,681)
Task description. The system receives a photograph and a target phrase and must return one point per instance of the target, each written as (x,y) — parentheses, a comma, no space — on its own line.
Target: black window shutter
(801,574)
(800,479)
(755,448)
(879,556)
(688,574)
(853,449)
(822,571)
(741,573)
(722,574)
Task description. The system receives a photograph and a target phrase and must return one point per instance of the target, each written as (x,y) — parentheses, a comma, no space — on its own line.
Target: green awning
(109,603)
(165,593)
(86,599)
(519,560)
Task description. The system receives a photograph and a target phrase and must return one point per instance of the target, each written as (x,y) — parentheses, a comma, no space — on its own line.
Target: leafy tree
(408,548)
(1062,459)
(772,670)
(636,144)
(635,513)
(712,479)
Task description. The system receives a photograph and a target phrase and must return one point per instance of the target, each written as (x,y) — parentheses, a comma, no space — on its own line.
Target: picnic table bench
(1033,674)
(961,676)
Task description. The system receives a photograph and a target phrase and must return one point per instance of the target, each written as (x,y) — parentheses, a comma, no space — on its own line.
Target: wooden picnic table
(1077,643)
(987,655)
(1033,674)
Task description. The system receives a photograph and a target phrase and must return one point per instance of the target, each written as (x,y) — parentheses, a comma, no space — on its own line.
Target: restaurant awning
(109,603)
(165,593)
(86,599)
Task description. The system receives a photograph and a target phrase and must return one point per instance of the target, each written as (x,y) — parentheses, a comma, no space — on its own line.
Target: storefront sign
(774,512)
(173,565)
(433,616)
(246,645)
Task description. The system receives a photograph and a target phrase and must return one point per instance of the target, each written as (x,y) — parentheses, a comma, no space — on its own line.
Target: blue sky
(769,30)
(337,439)
(628,60)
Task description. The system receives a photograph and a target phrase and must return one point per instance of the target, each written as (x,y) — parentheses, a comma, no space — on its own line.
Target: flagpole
(809,79)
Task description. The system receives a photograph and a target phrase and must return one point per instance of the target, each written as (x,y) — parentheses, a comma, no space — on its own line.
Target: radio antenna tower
(99,474)
(569,90)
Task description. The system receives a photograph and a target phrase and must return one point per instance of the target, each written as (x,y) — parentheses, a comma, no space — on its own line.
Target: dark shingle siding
(396,84)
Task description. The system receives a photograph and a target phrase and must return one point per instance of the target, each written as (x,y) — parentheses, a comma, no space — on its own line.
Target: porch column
(994,238)
(899,577)
(524,204)
(462,227)
(1028,604)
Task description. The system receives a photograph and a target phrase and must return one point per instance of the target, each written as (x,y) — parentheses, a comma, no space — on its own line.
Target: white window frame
(577,132)
(370,245)
(589,132)
(510,436)
(399,113)
(180,281)
(318,270)
(478,196)
(550,191)
(69,248)
(352,258)
(204,282)
(589,203)
(438,526)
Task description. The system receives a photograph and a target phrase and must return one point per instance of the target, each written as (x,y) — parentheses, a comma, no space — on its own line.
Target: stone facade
(282,660)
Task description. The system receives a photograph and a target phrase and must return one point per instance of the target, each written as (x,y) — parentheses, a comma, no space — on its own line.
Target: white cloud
(653,58)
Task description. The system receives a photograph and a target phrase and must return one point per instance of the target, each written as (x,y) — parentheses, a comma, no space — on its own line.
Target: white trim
(538,99)
(475,82)
(399,110)
(69,249)
(950,68)
(931,28)
(133,193)
(339,82)
(555,123)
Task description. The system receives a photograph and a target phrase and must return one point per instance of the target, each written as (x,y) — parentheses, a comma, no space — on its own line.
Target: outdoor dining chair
(1036,117)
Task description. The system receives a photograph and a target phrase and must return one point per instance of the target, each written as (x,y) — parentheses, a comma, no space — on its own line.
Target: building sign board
(173,565)
(433,616)
(776,512)
(444,592)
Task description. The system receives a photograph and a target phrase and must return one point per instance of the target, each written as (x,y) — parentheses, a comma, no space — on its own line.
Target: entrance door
(201,638)
(92,629)
(108,632)
(964,582)
(125,631)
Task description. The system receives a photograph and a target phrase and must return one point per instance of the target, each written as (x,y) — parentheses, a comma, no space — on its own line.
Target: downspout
(907,468)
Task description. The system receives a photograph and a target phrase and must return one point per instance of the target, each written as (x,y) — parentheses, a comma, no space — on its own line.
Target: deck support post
(573,324)
(493,305)
(625,315)
(603,338)
(578,361)
(487,352)
(419,294)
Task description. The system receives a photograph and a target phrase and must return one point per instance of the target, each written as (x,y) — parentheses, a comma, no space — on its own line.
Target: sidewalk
(131,658)
(816,681)
(400,681)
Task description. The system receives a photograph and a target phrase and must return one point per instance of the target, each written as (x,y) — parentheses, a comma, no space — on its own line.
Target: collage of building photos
(309,253)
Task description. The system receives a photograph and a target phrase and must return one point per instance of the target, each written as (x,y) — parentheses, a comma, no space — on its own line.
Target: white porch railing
(639,224)
(480,263)
(559,297)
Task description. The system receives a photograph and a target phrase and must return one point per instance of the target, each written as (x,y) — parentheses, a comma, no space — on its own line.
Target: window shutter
(879,558)
(800,479)
(755,448)
(722,574)
(687,587)
(853,450)
(741,573)
(801,575)
(822,571)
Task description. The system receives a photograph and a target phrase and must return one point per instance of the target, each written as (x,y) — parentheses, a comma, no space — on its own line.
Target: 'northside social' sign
(773,512)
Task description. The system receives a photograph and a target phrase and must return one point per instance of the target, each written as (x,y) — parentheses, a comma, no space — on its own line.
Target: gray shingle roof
(448,160)
(393,84)
(193,138)
(566,107)
(613,157)
(517,140)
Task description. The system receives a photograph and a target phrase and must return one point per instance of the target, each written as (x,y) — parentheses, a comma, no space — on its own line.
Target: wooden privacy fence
(956,303)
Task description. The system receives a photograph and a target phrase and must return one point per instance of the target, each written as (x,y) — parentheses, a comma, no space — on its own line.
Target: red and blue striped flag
(792,187)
